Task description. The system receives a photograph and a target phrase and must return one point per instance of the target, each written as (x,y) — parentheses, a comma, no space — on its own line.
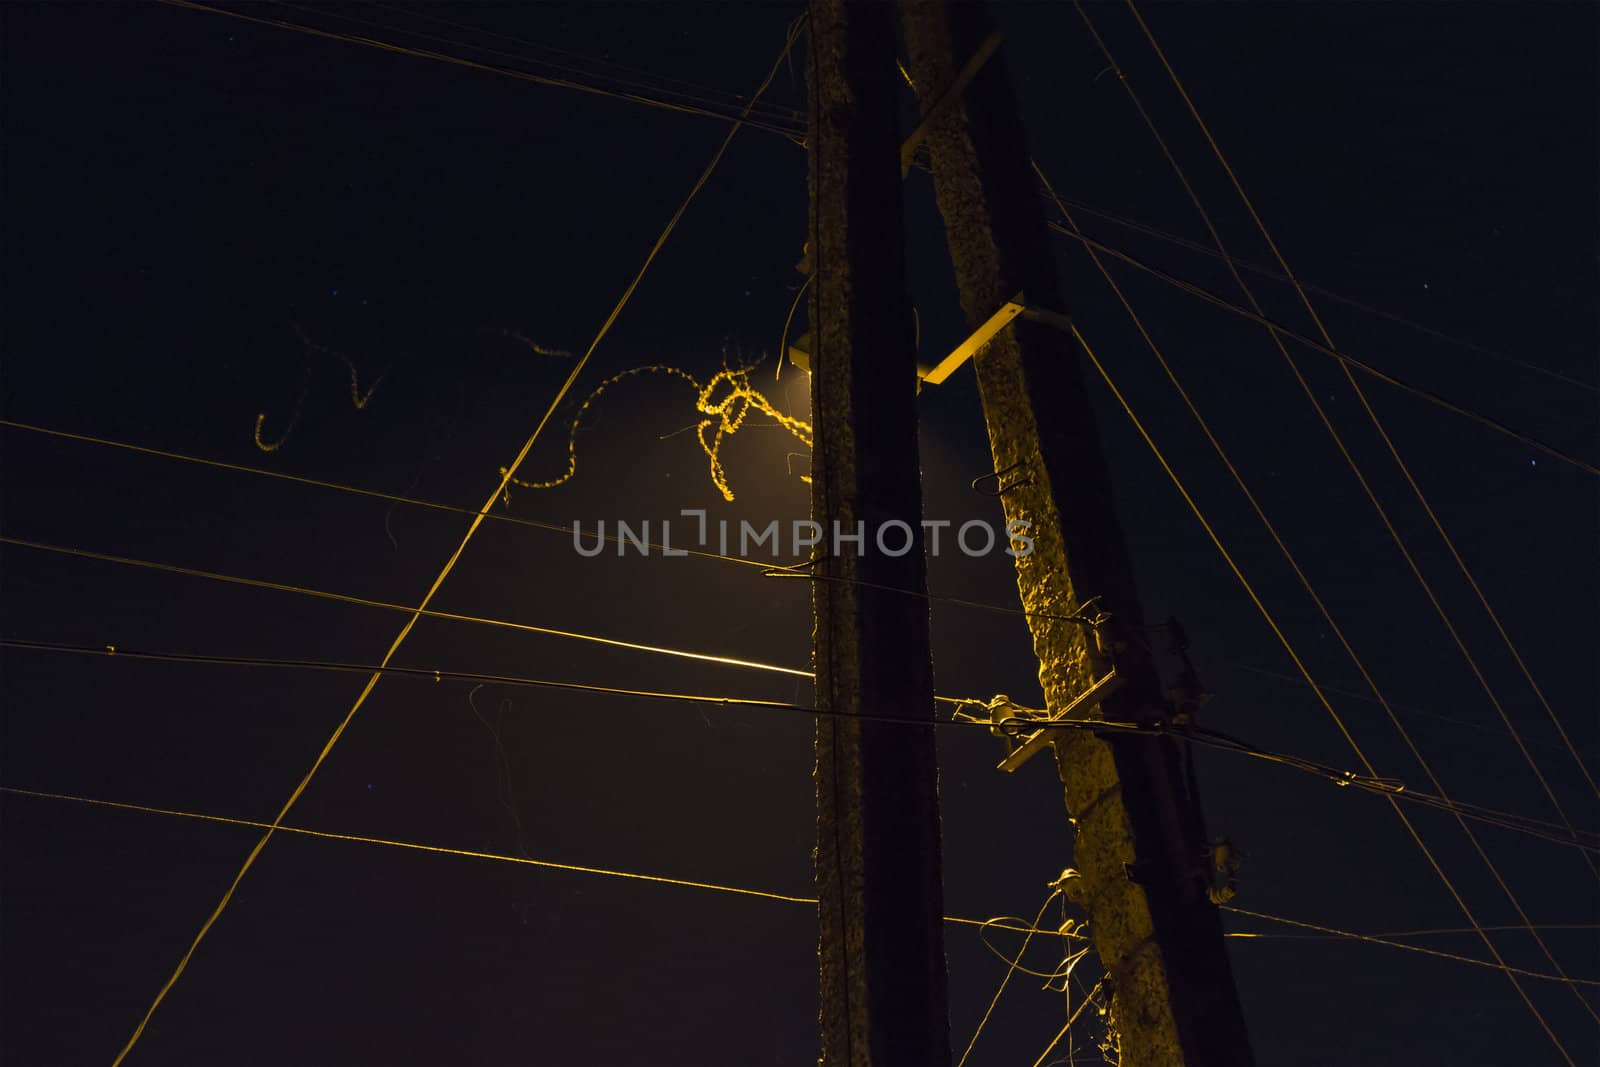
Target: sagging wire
(724,401)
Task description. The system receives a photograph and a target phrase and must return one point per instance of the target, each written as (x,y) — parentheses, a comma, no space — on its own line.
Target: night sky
(205,218)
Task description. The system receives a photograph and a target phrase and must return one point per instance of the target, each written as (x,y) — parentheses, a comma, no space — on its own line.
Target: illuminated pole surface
(881,950)
(1139,843)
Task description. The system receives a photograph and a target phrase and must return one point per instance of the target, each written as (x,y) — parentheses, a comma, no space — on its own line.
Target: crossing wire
(636,876)
(318,483)
(1388,940)
(1010,725)
(769,568)
(1389,444)
(1377,505)
(1300,665)
(772,113)
(450,564)
(1267,272)
(1283,547)
(537,79)
(1345,359)
(450,616)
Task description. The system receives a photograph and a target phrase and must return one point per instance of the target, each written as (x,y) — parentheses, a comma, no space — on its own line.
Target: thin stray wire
(450,564)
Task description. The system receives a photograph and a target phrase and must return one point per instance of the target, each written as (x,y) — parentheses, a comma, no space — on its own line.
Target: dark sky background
(184,191)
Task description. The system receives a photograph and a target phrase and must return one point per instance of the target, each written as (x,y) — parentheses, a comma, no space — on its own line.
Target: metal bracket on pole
(1025,748)
(974,344)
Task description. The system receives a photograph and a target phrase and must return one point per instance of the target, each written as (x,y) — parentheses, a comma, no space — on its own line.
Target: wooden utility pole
(879,883)
(1140,853)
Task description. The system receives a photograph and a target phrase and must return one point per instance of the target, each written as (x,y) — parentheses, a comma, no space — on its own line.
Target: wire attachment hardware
(980,484)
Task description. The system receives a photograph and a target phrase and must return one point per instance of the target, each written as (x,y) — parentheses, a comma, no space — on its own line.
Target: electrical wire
(1267,272)
(783,340)
(636,876)
(1015,962)
(735,100)
(1067,1027)
(321,594)
(1345,360)
(1324,349)
(699,96)
(374,494)
(770,569)
(537,79)
(1375,939)
(1394,533)
(1300,665)
(438,674)
(1406,708)
(1394,453)
(1212,738)
(450,564)
(1438,932)
(569,868)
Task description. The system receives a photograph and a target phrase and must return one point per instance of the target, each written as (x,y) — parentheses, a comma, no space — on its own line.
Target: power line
(432,505)
(537,79)
(1014,962)
(736,100)
(1289,648)
(569,868)
(1355,469)
(1394,453)
(1435,932)
(1267,272)
(321,594)
(450,564)
(770,568)
(1212,738)
(605,872)
(1378,939)
(1066,1027)
(1572,836)
(435,674)
(1353,695)
(771,112)
(1343,358)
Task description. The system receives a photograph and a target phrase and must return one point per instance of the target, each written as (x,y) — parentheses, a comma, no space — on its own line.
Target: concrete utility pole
(1140,853)
(878,873)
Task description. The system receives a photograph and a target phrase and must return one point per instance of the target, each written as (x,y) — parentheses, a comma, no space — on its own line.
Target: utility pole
(1140,852)
(878,873)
